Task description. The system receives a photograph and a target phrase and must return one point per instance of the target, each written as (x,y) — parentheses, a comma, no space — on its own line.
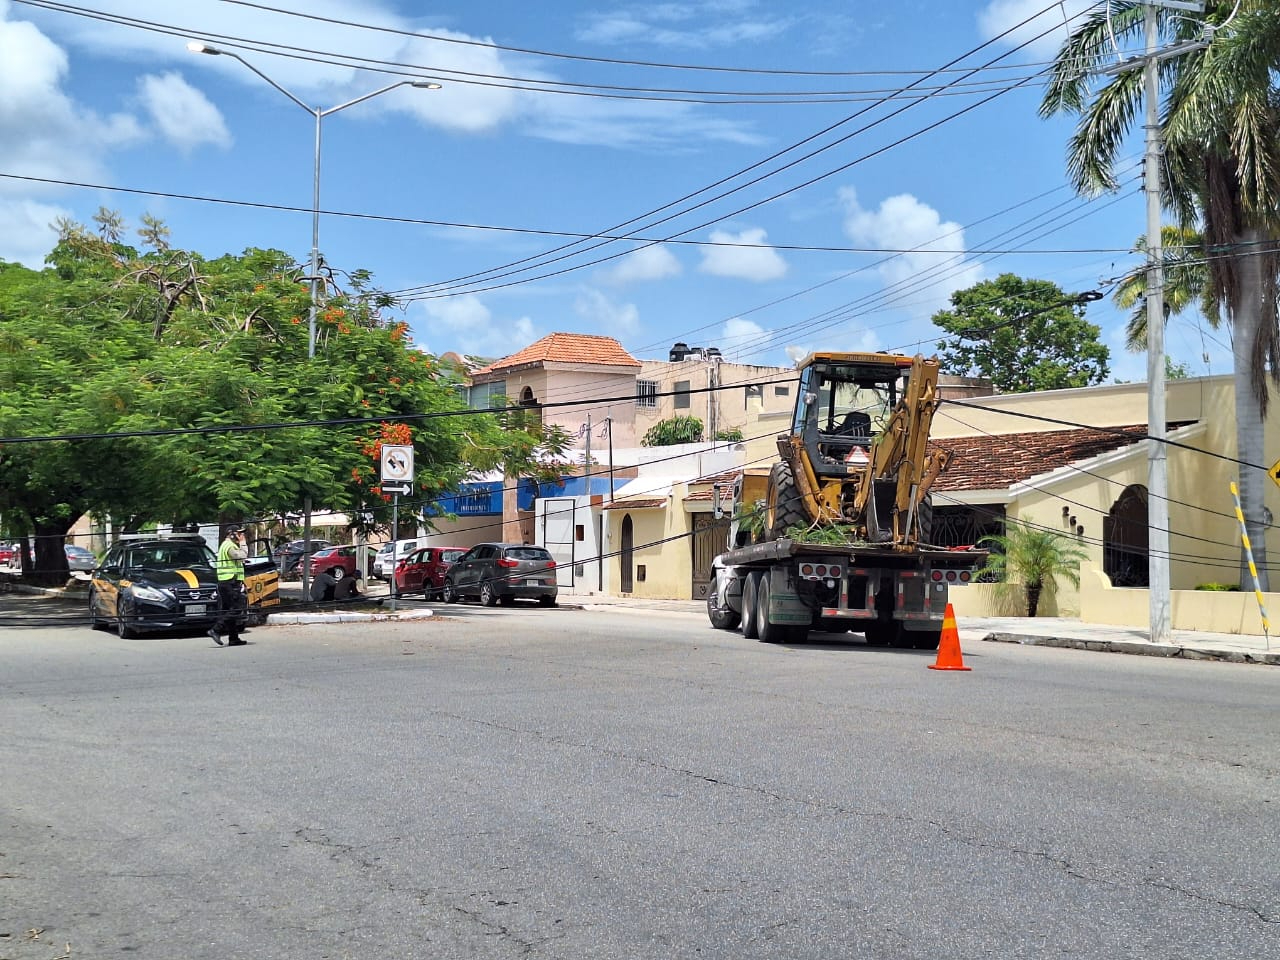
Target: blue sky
(870,207)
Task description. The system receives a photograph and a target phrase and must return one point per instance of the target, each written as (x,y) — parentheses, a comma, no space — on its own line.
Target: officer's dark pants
(231,603)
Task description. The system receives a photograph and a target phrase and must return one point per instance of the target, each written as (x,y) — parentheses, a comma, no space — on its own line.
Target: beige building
(1072,461)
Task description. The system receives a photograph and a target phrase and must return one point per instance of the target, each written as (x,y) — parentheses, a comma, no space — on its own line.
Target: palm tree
(1034,557)
(1220,123)
(1186,282)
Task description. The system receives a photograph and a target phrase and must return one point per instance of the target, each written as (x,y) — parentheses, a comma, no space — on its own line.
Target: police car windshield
(168,556)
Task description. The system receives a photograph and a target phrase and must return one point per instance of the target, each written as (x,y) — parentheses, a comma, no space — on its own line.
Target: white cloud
(924,278)
(467,322)
(1002,15)
(183,114)
(605,316)
(682,25)
(751,259)
(26,231)
(647,263)
(43,133)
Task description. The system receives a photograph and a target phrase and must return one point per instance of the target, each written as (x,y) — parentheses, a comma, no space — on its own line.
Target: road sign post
(397,478)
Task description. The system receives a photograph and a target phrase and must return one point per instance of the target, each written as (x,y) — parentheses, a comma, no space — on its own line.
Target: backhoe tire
(785,509)
(924,516)
(749,586)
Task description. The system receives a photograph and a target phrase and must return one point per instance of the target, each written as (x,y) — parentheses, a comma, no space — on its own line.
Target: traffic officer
(231,592)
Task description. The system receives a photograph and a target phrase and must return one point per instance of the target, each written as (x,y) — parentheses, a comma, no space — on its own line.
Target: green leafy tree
(1033,558)
(1022,334)
(678,429)
(209,358)
(1220,125)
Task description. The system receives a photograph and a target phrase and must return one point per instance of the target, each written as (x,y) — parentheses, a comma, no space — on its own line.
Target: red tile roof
(725,477)
(566,348)
(997,462)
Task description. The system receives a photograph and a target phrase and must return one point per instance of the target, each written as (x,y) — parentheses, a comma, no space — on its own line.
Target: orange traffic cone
(949,646)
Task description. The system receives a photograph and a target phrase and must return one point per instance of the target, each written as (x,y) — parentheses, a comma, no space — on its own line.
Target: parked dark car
(154,585)
(502,573)
(341,561)
(423,570)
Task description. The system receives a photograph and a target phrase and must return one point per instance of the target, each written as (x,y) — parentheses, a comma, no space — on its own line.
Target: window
(682,395)
(781,391)
(646,393)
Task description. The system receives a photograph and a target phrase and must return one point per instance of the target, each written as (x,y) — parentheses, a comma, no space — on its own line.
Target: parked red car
(8,554)
(341,561)
(423,570)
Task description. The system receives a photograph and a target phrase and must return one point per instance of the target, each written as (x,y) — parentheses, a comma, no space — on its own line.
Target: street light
(196,46)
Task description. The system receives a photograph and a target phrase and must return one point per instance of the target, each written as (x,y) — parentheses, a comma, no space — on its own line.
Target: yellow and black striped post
(1248,552)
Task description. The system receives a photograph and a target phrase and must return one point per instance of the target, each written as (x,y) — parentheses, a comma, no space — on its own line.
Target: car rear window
(528,553)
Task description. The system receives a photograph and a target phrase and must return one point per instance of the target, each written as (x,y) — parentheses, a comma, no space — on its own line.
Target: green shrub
(1220,587)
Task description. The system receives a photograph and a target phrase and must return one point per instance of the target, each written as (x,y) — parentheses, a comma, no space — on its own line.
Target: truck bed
(878,554)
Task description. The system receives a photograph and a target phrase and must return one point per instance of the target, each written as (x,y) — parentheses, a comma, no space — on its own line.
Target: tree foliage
(208,359)
(677,429)
(1023,335)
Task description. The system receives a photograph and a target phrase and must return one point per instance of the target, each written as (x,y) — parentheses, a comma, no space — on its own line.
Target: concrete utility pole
(1158,584)
(1157,450)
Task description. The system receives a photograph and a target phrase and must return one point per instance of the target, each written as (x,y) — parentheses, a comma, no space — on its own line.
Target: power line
(532,231)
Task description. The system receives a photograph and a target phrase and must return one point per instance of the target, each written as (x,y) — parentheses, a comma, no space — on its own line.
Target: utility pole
(1157,450)
(1158,584)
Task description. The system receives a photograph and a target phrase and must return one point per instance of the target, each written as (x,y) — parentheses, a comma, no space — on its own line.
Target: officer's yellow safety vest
(229,568)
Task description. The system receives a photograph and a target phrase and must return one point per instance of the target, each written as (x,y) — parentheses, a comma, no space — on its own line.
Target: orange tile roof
(567,348)
(725,478)
(649,504)
(997,462)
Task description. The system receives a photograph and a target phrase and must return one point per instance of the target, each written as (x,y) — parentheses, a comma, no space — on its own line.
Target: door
(707,541)
(627,557)
(557,537)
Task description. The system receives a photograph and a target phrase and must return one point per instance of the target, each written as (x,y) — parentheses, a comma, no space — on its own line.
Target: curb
(278,619)
(1137,648)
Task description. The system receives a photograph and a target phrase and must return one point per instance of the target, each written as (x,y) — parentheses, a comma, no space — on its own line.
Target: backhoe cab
(856,454)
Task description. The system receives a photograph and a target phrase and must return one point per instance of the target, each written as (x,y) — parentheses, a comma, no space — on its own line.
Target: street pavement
(1039,631)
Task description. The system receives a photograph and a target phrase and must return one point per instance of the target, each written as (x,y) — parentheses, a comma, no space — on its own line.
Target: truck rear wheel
(721,618)
(767,630)
(785,508)
(749,586)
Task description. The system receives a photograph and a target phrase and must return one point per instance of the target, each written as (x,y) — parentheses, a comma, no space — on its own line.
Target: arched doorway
(1125,549)
(627,557)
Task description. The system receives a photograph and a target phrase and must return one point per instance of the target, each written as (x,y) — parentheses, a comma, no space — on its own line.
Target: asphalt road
(624,784)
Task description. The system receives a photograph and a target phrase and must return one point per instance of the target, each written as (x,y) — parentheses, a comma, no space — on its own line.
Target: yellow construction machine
(856,455)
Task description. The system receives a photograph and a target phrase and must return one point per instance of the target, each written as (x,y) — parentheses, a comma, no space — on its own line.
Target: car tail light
(833,570)
(551,564)
(507,562)
(937,575)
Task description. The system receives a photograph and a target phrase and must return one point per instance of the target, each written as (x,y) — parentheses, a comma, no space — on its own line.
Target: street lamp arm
(197,47)
(423,84)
